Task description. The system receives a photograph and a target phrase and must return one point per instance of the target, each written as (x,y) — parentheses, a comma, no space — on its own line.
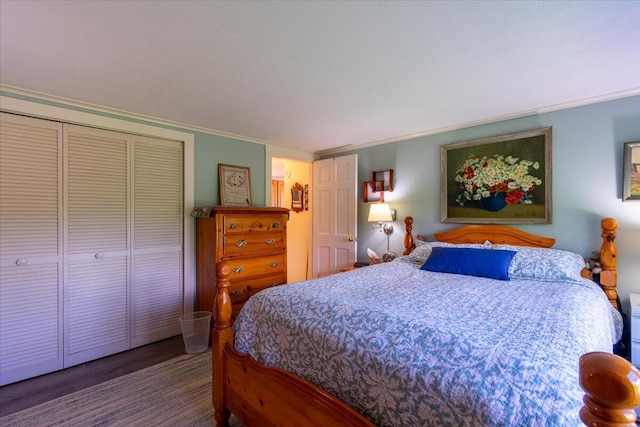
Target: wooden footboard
(265,396)
(612,390)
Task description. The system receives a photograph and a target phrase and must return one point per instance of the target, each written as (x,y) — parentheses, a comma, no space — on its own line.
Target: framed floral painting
(503,179)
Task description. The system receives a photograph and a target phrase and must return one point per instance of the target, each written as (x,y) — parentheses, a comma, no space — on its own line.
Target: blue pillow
(490,263)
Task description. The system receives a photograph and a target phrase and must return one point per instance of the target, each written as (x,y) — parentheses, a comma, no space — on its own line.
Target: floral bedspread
(414,348)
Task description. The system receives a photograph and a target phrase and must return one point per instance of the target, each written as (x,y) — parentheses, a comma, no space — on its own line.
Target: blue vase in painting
(494,202)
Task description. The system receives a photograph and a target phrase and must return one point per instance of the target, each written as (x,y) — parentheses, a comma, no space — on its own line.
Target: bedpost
(608,260)
(408,237)
(220,336)
(612,390)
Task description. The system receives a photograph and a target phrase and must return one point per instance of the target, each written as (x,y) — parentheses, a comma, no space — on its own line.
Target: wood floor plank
(25,394)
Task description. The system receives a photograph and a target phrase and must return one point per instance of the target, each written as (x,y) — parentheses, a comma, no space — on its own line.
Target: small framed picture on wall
(235,185)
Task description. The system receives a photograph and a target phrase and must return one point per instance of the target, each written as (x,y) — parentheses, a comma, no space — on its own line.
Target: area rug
(173,393)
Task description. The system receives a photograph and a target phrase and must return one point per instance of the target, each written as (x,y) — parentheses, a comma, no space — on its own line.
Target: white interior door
(334,214)
(97,256)
(156,266)
(30,253)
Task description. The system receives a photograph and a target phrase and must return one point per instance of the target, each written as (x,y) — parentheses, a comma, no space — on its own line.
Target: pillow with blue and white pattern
(422,251)
(551,265)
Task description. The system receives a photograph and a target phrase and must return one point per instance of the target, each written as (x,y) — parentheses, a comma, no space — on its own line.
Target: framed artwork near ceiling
(631,171)
(386,176)
(373,191)
(235,185)
(503,179)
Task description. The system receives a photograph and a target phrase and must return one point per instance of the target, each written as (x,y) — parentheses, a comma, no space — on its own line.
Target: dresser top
(211,211)
(250,209)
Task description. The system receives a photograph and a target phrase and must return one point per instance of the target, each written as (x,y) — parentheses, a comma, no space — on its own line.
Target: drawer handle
(99,255)
(241,243)
(274,264)
(256,224)
(237,292)
(238,270)
(270,241)
(276,224)
(22,261)
(233,225)
(274,284)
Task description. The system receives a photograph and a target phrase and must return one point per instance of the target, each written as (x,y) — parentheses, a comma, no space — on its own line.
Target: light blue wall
(587,177)
(209,150)
(587,181)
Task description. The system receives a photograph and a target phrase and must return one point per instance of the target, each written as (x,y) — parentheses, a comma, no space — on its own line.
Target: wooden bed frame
(264,396)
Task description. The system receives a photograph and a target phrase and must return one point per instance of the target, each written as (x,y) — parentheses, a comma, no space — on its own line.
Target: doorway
(285,174)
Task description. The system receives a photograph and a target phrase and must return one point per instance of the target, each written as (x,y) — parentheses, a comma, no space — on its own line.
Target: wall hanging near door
(386,176)
(297,198)
(381,181)
(373,191)
(235,185)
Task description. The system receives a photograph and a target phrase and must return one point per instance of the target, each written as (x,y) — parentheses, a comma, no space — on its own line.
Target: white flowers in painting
(483,177)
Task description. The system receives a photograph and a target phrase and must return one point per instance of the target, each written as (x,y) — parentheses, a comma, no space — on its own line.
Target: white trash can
(195,331)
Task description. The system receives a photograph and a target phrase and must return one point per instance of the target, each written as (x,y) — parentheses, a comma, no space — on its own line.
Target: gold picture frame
(235,185)
(297,198)
(503,179)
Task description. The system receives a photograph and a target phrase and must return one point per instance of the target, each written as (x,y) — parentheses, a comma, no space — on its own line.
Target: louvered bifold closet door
(157,239)
(97,236)
(30,254)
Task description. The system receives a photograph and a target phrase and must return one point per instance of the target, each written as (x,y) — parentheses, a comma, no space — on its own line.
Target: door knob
(350,239)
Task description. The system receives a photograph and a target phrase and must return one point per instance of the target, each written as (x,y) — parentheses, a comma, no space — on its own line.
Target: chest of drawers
(253,240)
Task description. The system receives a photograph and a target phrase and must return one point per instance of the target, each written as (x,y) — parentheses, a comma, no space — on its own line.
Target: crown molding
(459,126)
(8,89)
(318,154)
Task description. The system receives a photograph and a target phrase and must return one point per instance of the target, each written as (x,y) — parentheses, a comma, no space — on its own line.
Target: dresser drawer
(233,224)
(265,223)
(248,244)
(240,291)
(264,265)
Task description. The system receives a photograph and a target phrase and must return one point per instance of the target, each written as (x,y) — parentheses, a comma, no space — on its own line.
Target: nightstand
(354,266)
(634,300)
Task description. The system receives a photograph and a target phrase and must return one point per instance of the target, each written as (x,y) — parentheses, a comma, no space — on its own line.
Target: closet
(91,243)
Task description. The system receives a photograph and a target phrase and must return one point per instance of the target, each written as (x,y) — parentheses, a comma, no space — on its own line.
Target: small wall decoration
(631,172)
(500,180)
(306,197)
(373,191)
(201,212)
(235,185)
(297,198)
(385,176)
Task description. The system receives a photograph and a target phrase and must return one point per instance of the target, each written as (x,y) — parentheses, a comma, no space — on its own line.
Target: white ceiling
(323,74)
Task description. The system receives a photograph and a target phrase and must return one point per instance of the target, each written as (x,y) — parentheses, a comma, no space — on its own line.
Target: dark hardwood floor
(25,394)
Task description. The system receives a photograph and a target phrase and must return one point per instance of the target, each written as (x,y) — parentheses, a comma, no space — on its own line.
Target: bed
(411,343)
